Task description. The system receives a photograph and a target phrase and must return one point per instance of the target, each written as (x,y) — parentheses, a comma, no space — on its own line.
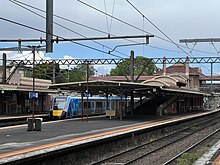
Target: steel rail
(148,143)
(164,146)
(191,147)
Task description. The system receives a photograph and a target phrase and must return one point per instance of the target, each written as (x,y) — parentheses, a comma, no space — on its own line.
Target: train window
(99,104)
(59,103)
(85,104)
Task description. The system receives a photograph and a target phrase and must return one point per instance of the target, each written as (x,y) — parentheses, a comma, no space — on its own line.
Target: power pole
(49,26)
(132,65)
(54,72)
(33,95)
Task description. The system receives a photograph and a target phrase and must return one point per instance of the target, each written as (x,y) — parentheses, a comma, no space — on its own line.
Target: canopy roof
(118,88)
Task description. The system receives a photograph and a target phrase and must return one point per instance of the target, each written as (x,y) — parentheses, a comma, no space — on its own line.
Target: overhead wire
(106,17)
(65,27)
(39,30)
(113,8)
(217,51)
(24,55)
(71,21)
(54,35)
(162,31)
(180,46)
(156,26)
(98,30)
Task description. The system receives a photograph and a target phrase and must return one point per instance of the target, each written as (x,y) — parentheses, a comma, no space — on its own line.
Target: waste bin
(38,122)
(30,123)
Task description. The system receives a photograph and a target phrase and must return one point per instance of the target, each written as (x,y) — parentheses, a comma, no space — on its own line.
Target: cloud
(178,19)
(103,69)
(25,55)
(67,57)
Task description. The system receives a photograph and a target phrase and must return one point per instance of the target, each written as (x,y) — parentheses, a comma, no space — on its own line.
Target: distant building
(191,74)
(14,95)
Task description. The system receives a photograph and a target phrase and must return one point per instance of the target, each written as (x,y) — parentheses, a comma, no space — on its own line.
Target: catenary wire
(101,31)
(39,30)
(66,27)
(162,31)
(54,35)
(135,26)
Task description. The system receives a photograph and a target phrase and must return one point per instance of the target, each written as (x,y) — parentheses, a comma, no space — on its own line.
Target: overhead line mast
(210,40)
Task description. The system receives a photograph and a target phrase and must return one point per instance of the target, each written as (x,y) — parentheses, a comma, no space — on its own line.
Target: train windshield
(59,103)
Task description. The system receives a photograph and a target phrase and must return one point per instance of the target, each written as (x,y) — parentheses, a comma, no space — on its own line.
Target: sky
(182,19)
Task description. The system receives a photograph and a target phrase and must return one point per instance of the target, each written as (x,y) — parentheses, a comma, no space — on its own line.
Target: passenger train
(70,106)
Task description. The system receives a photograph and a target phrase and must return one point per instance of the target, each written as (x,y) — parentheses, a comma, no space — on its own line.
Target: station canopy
(119,88)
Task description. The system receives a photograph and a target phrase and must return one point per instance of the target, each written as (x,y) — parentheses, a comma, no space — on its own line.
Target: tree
(79,73)
(140,63)
(45,71)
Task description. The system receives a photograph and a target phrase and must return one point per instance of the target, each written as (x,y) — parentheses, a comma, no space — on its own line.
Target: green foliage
(187,159)
(78,73)
(140,63)
(45,71)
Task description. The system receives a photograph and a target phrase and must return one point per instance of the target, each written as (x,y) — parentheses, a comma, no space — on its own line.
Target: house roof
(180,68)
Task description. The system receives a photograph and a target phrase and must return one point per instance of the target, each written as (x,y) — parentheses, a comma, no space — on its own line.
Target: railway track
(173,159)
(166,149)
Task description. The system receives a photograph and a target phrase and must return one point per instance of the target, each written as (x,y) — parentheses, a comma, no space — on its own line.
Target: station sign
(33,95)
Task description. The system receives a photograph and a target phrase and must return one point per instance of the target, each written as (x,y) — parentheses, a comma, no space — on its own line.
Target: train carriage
(69,106)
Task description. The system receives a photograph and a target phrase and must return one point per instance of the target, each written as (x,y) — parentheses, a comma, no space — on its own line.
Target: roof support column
(187,71)
(141,107)
(82,105)
(106,103)
(126,104)
(4,69)
(132,103)
(164,66)
(121,107)
(132,65)
(121,92)
(211,75)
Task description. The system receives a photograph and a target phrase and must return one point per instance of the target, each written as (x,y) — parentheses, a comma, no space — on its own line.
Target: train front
(58,108)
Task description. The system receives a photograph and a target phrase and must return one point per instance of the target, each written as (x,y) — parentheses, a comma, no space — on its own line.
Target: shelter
(154,98)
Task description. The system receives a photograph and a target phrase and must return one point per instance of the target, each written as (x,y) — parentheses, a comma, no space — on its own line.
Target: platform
(17,143)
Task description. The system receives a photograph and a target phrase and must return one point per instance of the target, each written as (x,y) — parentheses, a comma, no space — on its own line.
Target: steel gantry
(192,60)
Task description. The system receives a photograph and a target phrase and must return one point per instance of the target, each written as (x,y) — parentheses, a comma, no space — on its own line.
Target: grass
(187,159)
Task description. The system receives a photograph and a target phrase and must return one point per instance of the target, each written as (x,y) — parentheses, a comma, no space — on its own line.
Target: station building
(15,95)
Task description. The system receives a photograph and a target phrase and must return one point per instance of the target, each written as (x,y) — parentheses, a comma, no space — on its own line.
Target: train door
(79,108)
(76,107)
(71,108)
(93,106)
